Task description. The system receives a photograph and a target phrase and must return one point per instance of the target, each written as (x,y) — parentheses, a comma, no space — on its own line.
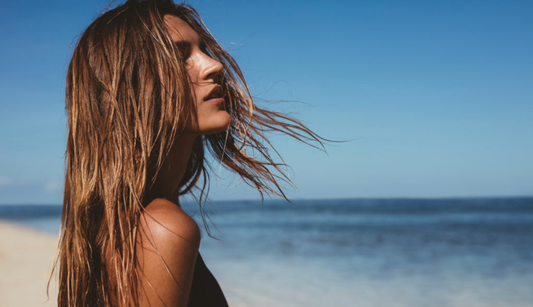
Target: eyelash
(186,53)
(205,50)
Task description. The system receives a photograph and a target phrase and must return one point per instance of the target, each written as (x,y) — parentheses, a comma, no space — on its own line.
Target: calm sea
(361,252)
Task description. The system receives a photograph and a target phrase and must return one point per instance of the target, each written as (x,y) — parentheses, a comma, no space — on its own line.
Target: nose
(211,68)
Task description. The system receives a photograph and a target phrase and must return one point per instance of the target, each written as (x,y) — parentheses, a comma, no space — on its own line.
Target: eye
(185,50)
(204,49)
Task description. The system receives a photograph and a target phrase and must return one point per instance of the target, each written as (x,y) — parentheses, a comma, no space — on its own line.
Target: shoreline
(463,253)
(26,259)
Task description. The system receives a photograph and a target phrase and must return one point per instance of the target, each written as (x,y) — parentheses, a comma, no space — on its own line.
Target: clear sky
(437,96)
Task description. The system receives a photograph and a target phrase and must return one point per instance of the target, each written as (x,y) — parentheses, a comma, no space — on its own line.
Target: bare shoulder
(165,221)
(167,246)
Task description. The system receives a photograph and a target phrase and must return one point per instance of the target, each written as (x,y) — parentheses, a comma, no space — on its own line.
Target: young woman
(149,93)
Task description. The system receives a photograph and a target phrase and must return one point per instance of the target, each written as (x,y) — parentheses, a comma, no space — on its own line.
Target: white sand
(26,258)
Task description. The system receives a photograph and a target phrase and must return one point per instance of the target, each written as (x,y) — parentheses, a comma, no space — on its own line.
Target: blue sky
(437,96)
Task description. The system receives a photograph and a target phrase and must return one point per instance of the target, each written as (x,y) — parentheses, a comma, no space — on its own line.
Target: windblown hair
(128,97)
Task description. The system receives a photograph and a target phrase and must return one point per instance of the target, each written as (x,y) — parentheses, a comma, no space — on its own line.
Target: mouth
(215,96)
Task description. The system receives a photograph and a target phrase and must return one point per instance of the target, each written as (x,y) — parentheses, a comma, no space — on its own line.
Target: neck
(173,168)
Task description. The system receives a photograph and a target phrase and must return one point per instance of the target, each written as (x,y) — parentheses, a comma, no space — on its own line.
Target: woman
(149,90)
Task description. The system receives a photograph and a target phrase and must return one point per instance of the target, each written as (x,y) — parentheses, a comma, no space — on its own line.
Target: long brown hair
(127,98)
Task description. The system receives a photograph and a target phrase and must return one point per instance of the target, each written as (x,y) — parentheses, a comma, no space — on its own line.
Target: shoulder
(163,220)
(167,246)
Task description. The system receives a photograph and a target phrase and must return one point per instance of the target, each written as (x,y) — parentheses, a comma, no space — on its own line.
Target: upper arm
(167,246)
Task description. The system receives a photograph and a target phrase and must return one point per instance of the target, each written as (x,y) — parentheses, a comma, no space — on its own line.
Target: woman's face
(203,72)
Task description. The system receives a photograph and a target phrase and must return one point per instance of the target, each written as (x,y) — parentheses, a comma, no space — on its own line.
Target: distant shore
(26,258)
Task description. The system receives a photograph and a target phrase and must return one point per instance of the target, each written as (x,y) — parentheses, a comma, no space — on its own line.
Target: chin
(217,124)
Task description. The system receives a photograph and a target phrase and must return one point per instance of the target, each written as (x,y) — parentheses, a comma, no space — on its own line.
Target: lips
(216,93)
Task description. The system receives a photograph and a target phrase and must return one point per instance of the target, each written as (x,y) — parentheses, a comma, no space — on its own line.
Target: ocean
(360,252)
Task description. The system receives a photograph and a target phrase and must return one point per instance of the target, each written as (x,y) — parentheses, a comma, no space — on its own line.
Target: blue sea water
(360,252)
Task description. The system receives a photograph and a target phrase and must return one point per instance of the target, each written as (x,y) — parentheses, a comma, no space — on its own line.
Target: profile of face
(203,72)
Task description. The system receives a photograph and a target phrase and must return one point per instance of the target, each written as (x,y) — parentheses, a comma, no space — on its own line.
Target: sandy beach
(26,258)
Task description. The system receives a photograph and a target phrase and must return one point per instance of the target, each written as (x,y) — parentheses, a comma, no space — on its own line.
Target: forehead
(180,31)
